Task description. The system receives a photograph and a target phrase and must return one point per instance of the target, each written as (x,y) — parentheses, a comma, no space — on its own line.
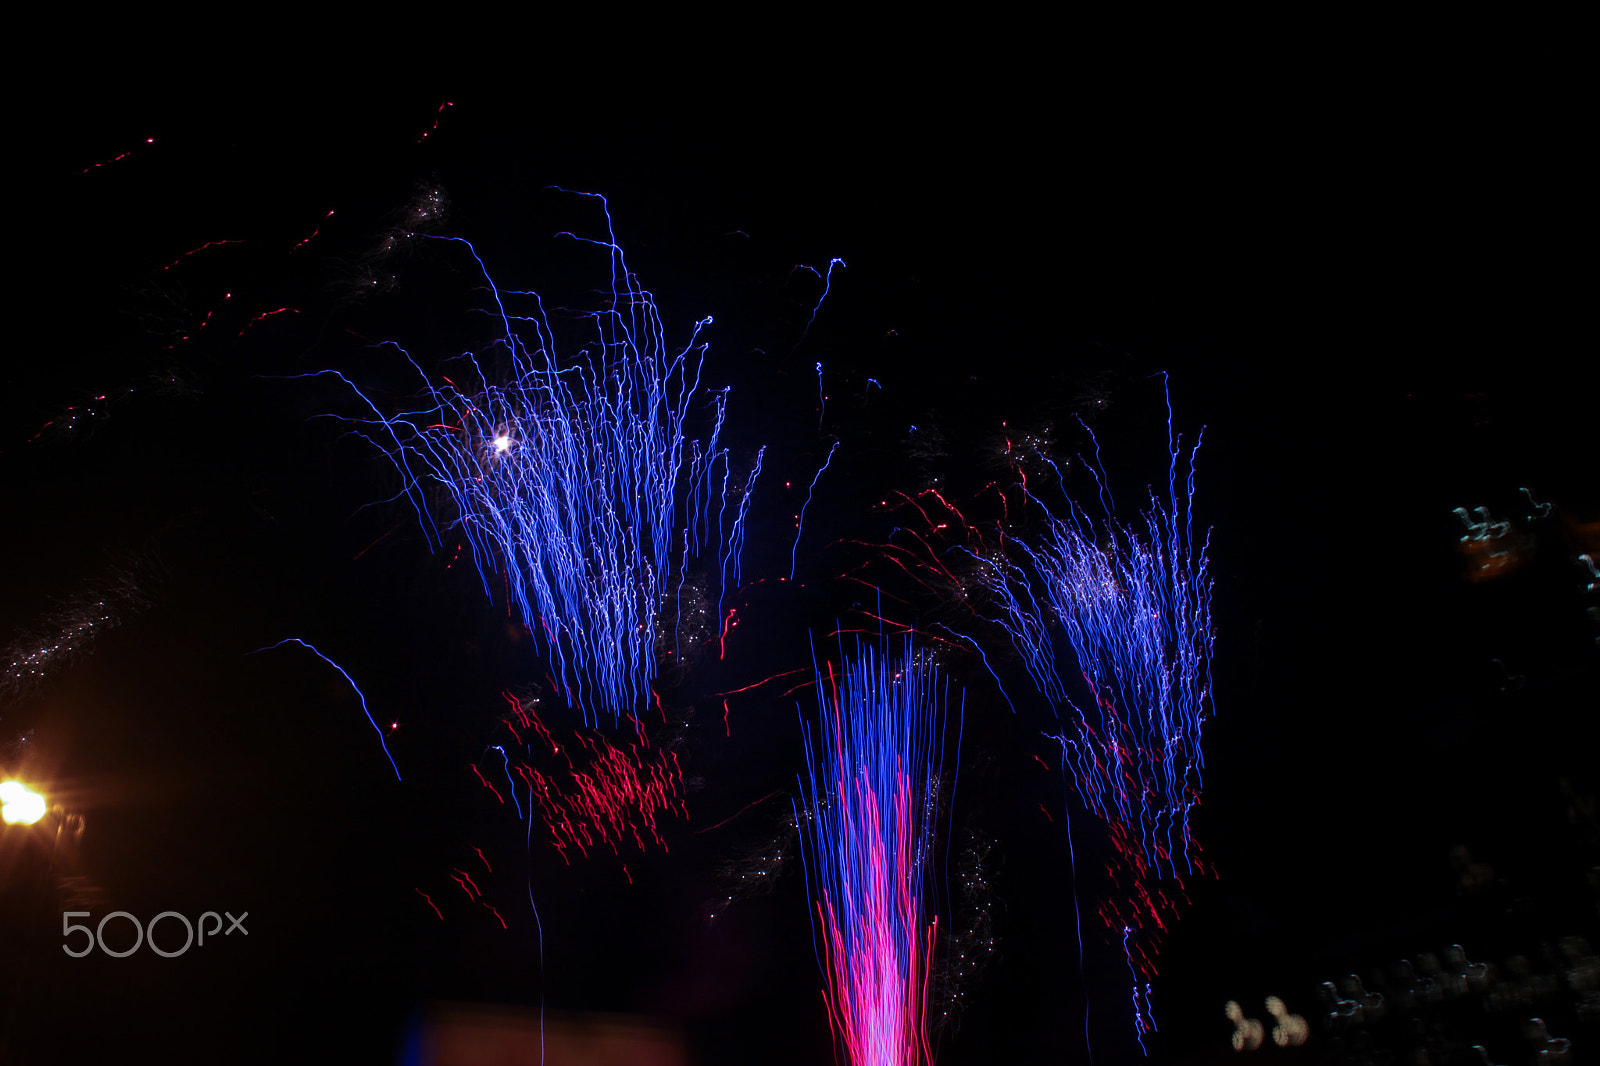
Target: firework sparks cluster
(1113,622)
(594,793)
(579,484)
(1132,609)
(758,869)
(972,944)
(869,828)
(70,629)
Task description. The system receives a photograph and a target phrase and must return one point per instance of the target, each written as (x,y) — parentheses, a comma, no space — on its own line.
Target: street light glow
(20,805)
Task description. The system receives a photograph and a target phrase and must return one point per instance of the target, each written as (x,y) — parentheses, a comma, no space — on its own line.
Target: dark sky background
(1358,269)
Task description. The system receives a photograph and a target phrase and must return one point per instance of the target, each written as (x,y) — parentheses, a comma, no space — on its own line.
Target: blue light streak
(343,673)
(827,284)
(1143,1022)
(801,521)
(506,761)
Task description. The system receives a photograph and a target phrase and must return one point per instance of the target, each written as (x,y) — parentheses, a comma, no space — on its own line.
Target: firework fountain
(869,834)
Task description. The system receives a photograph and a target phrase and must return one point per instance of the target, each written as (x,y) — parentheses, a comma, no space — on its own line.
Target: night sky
(1359,272)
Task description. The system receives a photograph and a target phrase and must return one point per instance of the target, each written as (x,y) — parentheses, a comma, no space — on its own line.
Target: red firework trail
(605,796)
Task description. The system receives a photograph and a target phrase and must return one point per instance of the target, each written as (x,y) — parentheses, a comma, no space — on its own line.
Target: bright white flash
(20,805)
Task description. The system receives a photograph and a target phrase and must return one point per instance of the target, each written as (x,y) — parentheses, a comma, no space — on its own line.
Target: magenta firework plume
(869,831)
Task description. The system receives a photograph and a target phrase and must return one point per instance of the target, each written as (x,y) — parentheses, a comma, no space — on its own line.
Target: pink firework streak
(594,793)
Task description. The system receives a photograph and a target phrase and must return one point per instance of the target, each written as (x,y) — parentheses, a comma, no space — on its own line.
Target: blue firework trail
(827,284)
(576,480)
(869,834)
(800,519)
(362,696)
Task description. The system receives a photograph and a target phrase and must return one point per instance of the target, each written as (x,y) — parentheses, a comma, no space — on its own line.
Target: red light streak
(196,251)
(615,794)
(461,878)
(116,158)
(438,116)
(758,684)
(308,239)
(741,810)
(486,784)
(269,314)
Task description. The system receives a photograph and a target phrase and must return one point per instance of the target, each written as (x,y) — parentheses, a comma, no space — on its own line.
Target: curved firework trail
(577,481)
(869,834)
(362,696)
(1113,622)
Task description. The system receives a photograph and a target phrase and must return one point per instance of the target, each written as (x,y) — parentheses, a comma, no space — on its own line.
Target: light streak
(263,316)
(438,117)
(506,760)
(1481,525)
(827,283)
(468,886)
(574,482)
(114,159)
(985,658)
(733,544)
(758,684)
(485,782)
(302,242)
(869,833)
(196,251)
(800,519)
(362,696)
(1142,1021)
(737,813)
